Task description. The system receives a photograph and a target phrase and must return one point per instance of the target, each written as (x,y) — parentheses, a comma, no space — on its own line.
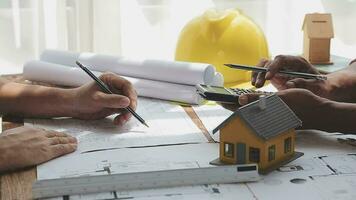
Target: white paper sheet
(169,71)
(128,160)
(316,178)
(341,187)
(169,124)
(74,76)
(318,143)
(145,159)
(321,174)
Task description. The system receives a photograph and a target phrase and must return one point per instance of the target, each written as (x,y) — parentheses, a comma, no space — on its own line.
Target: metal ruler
(144,180)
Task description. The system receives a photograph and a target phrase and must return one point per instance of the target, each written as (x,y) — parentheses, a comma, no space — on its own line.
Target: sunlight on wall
(50,24)
(150,28)
(16,21)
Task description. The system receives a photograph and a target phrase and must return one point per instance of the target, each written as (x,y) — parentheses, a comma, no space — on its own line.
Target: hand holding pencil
(119,82)
(302,73)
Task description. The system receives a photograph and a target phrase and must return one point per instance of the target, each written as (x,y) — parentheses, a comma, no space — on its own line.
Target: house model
(318,31)
(261,132)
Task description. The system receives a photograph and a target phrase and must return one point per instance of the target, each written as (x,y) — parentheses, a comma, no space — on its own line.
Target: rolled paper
(55,74)
(169,71)
(218,79)
(66,58)
(74,76)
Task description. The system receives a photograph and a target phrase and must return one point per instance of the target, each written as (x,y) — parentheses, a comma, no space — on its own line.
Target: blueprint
(317,174)
(310,178)
(98,135)
(144,159)
(211,115)
(326,171)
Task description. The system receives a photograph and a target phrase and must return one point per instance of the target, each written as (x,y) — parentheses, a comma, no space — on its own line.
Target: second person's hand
(323,88)
(310,108)
(283,63)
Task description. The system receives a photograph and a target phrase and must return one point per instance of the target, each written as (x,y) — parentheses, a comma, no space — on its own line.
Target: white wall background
(149,28)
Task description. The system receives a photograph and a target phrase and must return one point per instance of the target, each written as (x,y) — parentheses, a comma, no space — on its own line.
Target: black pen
(105,88)
(288,73)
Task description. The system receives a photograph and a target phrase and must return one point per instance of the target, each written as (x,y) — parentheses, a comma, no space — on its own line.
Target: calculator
(224,95)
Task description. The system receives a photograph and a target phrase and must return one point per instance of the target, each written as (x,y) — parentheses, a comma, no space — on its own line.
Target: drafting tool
(105,88)
(288,73)
(145,180)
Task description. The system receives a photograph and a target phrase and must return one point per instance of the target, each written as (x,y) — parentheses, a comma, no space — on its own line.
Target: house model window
(288,145)
(272,153)
(229,150)
(254,155)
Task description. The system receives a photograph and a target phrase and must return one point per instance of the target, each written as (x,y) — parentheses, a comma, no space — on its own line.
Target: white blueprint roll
(66,58)
(218,79)
(74,76)
(169,71)
(55,74)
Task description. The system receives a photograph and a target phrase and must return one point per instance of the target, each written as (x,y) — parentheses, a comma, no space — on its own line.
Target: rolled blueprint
(74,76)
(66,58)
(168,71)
(218,79)
(55,74)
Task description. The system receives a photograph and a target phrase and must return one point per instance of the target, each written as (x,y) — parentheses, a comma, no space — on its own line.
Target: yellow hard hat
(223,37)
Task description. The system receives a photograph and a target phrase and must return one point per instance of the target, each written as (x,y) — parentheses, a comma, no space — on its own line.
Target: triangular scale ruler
(145,180)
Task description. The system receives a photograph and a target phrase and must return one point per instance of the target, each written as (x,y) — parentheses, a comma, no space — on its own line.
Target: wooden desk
(17,185)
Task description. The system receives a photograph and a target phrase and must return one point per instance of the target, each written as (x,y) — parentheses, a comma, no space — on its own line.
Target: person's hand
(281,82)
(90,102)
(27,146)
(309,107)
(281,63)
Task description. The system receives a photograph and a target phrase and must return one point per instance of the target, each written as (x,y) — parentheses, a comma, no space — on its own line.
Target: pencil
(106,89)
(288,73)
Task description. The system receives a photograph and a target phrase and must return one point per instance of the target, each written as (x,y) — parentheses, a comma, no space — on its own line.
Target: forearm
(343,84)
(336,117)
(31,100)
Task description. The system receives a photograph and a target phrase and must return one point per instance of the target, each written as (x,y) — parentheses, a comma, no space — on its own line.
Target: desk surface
(16,185)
